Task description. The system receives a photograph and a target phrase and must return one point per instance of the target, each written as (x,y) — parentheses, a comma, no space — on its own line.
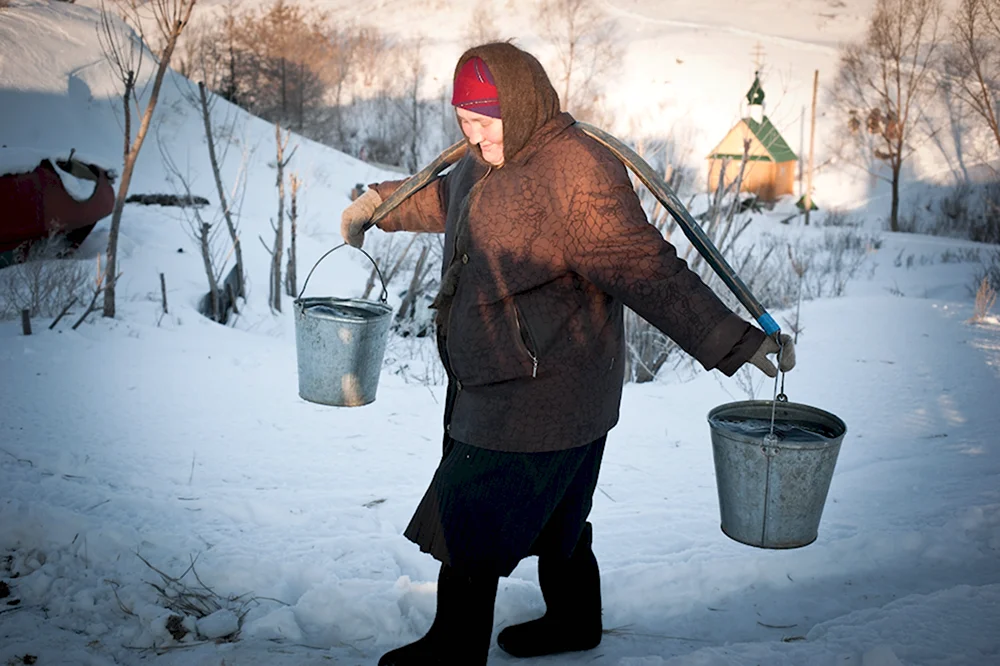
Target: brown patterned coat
(541,255)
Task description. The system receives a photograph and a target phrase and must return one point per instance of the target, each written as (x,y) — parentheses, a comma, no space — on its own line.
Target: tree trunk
(989,109)
(233,235)
(812,146)
(284,90)
(231,89)
(302,96)
(414,128)
(338,115)
(894,214)
(569,73)
(213,285)
(129,85)
(278,249)
(291,274)
(116,220)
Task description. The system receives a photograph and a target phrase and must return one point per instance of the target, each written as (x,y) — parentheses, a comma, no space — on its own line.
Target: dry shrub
(986,298)
(43,283)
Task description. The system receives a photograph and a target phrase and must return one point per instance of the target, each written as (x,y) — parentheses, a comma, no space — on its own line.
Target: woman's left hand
(356,216)
(786,359)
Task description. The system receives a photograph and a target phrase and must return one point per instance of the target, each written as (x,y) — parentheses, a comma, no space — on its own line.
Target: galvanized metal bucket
(772,491)
(340,344)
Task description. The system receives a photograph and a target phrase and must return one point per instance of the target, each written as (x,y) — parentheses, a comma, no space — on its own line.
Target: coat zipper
(522,331)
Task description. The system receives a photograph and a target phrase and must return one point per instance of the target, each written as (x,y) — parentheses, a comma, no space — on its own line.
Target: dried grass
(986,298)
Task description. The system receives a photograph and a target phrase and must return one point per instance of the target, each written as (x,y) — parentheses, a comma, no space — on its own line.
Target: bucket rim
(377,308)
(795,406)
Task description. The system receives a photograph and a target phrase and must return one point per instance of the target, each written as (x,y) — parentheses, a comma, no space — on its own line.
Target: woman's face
(485,132)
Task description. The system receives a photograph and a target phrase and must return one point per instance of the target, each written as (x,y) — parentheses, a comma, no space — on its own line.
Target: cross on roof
(758,56)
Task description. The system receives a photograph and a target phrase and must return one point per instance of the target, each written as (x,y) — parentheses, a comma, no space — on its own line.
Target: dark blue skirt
(487,510)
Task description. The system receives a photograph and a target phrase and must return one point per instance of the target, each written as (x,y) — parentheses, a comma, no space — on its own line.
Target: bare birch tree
(883,82)
(586,49)
(224,202)
(294,66)
(279,61)
(288,51)
(339,75)
(214,52)
(973,60)
(170,17)
(411,106)
(370,47)
(215,247)
(276,249)
(482,27)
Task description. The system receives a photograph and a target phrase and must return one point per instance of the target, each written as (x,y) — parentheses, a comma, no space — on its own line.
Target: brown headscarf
(527,102)
(527,98)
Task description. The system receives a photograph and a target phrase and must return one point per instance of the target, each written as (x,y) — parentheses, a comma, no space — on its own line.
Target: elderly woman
(545,244)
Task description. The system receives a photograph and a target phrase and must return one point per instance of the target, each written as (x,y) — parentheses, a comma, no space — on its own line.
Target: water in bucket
(336,309)
(784,431)
(773,486)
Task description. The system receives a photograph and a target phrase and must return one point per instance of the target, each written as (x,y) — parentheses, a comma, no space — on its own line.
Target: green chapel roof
(773,142)
(777,148)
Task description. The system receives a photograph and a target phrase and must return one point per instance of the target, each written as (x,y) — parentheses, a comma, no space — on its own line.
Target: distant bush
(969,210)
(961,255)
(4,4)
(910,223)
(836,217)
(988,229)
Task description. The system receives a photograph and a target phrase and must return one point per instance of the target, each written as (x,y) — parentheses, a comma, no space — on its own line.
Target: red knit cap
(475,89)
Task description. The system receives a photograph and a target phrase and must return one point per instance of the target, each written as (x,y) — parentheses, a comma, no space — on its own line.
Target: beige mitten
(356,216)
(786,360)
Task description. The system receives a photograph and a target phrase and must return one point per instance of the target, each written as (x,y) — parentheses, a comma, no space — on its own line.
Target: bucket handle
(385,291)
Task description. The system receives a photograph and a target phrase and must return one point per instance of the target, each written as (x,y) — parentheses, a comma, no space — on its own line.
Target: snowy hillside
(156,440)
(57,95)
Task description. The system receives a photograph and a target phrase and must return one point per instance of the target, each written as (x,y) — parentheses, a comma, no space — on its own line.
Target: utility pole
(812,144)
(802,149)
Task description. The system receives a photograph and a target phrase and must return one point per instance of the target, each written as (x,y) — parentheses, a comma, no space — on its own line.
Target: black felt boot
(572,592)
(460,634)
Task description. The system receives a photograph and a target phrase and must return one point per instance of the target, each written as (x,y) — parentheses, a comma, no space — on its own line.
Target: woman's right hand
(357,215)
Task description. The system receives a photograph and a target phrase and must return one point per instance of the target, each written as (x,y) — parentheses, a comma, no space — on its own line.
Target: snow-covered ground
(124,439)
(145,442)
